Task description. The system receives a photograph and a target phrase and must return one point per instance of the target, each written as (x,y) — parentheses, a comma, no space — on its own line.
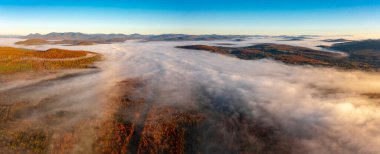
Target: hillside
(358,46)
(140,126)
(33,42)
(366,51)
(13,60)
(293,55)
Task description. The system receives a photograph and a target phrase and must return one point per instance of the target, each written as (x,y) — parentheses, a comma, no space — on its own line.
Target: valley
(153,97)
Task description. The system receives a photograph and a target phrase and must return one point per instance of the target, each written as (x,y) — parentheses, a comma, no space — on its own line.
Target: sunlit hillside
(14,60)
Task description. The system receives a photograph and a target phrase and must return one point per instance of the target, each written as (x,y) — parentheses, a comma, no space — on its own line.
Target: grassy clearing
(13,60)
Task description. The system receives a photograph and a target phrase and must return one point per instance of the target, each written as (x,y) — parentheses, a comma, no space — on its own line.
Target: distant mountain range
(82,36)
(295,38)
(107,38)
(74,38)
(336,40)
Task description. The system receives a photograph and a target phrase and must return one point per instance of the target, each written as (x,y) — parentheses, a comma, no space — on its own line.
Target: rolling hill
(295,55)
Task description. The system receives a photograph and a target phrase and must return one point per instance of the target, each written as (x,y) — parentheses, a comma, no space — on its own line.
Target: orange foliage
(14,60)
(48,54)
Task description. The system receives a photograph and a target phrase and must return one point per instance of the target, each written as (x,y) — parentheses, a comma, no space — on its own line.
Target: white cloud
(321,109)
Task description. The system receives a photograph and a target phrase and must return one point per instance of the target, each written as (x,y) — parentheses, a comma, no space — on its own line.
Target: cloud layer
(322,110)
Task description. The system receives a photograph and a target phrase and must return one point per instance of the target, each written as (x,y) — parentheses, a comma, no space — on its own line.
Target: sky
(261,17)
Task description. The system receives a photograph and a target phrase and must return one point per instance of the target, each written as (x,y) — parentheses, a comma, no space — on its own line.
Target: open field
(13,60)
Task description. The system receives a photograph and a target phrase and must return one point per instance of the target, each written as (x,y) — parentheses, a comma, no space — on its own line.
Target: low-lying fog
(325,110)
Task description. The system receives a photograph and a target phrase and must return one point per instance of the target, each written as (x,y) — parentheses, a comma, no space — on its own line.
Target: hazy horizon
(356,37)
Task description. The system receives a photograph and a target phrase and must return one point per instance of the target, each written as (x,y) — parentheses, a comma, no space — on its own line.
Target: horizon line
(78,32)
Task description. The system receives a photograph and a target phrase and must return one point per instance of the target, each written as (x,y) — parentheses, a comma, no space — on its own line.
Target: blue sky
(272,17)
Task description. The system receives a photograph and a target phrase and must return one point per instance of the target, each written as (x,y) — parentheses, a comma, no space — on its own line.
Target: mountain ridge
(123,37)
